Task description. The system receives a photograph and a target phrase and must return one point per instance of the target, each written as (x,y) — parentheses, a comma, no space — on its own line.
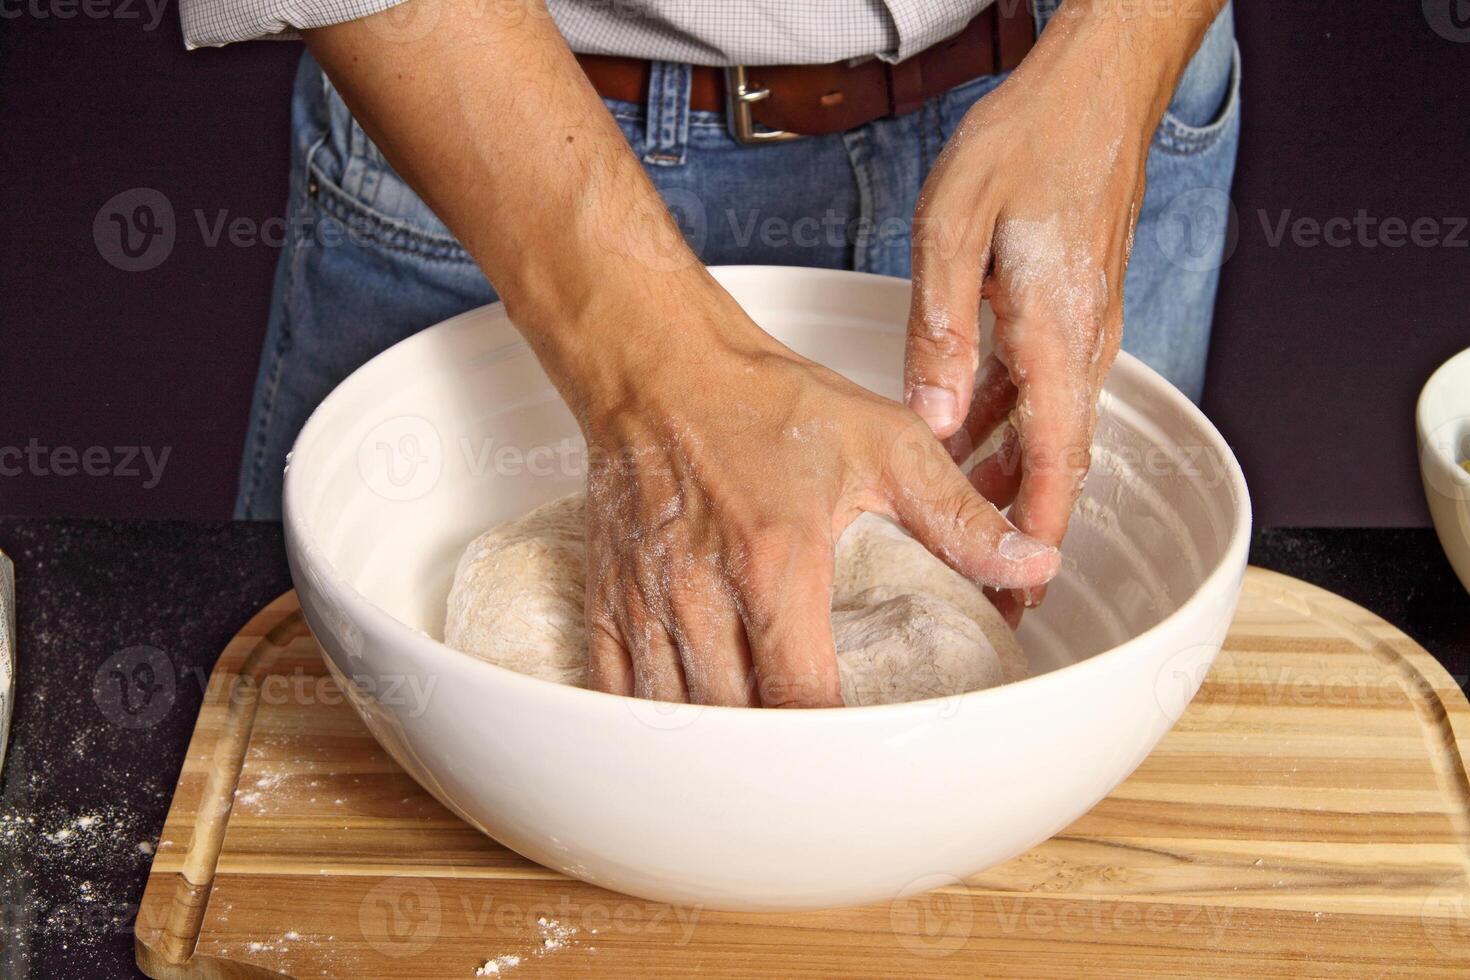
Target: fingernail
(1016,546)
(936,406)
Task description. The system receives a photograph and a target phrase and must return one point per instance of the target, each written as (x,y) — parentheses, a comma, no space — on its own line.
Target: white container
(1443,422)
(457,428)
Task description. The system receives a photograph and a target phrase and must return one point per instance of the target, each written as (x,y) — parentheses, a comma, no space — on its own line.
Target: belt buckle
(739,96)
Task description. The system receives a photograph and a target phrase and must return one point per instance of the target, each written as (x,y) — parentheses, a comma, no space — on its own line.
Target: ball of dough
(907,646)
(517,595)
(906,626)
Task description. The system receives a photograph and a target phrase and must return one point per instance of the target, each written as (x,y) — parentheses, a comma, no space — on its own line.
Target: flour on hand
(906,626)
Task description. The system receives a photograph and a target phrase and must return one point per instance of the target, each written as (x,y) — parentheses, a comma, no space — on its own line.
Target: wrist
(1136,51)
(622,333)
(596,231)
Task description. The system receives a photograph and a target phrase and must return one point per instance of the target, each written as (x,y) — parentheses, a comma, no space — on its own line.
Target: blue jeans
(367,263)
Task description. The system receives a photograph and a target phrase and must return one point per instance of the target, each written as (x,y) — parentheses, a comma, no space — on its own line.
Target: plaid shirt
(705,32)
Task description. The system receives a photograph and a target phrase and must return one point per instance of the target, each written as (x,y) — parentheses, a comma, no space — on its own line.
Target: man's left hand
(1033,204)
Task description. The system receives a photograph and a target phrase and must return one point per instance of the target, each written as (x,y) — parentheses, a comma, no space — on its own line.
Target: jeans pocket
(349,178)
(1182,137)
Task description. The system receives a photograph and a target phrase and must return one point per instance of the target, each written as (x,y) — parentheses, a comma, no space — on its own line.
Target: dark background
(1319,349)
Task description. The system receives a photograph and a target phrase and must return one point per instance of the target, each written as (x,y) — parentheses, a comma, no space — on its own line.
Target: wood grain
(1308,816)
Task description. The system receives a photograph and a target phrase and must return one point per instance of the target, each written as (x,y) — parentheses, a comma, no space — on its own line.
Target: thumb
(942,349)
(931,498)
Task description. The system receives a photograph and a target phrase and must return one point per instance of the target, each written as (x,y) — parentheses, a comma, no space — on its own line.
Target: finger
(933,499)
(1107,351)
(713,648)
(1007,602)
(994,397)
(609,665)
(658,674)
(1055,415)
(943,345)
(786,604)
(998,476)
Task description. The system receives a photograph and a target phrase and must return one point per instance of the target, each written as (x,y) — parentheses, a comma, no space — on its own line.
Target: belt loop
(1015,33)
(1042,12)
(667,134)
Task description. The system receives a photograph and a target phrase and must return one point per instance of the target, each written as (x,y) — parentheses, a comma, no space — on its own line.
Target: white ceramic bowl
(1443,421)
(457,428)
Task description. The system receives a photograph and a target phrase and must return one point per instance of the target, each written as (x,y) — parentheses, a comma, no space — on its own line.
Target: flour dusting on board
(498,966)
(555,935)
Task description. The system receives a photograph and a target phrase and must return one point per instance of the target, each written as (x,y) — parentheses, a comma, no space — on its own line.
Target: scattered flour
(555,935)
(56,872)
(498,965)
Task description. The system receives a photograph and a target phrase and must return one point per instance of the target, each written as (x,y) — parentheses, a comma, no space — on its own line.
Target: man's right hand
(723,468)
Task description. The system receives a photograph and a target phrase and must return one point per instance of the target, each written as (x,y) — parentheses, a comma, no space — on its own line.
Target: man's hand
(1033,204)
(724,467)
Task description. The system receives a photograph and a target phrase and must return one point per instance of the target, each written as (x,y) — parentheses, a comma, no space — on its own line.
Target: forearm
(489,118)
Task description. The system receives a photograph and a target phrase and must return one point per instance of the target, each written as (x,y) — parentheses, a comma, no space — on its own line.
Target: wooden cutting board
(1308,816)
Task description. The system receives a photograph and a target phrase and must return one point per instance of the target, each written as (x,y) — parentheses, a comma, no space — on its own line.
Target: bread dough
(906,626)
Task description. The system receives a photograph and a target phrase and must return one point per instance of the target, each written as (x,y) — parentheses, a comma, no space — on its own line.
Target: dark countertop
(86,787)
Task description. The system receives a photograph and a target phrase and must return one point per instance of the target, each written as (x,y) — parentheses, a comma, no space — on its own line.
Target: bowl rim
(299,541)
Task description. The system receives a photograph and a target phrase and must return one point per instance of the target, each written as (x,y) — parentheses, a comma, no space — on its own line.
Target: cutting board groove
(1308,816)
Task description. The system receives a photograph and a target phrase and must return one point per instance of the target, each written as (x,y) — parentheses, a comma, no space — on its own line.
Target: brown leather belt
(776,102)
